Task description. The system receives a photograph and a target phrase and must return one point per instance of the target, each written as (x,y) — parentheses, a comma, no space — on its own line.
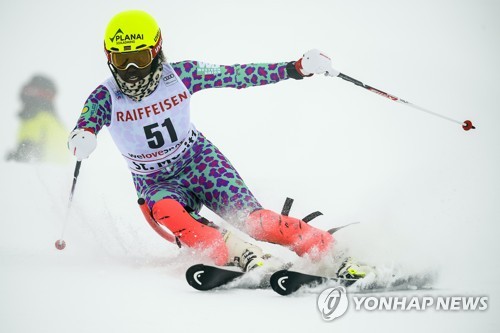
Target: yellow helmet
(130,31)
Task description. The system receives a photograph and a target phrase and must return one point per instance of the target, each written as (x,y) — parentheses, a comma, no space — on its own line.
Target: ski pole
(466,125)
(60,243)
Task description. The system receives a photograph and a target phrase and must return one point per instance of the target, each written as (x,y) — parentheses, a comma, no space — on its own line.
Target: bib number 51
(155,134)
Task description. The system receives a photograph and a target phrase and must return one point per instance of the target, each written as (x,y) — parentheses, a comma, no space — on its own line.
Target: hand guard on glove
(81,143)
(315,62)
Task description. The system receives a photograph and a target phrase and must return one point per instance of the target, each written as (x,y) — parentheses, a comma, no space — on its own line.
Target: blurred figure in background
(41,136)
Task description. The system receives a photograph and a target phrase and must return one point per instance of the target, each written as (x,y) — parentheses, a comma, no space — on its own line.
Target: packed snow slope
(426,192)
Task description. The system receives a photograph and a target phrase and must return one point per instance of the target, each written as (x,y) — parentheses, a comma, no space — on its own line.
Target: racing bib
(154,132)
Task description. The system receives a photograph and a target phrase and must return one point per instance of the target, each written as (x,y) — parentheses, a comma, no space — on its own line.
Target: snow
(426,192)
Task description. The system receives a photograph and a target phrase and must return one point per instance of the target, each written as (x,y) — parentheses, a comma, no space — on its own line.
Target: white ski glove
(81,143)
(316,62)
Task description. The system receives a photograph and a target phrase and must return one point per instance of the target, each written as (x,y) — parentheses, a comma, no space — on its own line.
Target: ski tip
(279,283)
(193,275)
(206,277)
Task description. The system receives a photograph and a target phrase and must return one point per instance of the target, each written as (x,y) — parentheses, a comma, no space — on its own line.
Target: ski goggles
(123,60)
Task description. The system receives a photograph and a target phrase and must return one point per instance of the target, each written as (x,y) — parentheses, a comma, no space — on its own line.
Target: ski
(286,282)
(204,277)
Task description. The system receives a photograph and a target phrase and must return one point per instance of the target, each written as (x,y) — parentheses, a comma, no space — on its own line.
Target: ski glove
(315,62)
(81,143)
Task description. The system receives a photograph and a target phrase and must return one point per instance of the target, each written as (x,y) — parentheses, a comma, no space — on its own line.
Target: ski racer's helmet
(132,31)
(39,91)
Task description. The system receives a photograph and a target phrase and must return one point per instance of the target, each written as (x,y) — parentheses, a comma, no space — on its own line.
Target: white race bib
(154,132)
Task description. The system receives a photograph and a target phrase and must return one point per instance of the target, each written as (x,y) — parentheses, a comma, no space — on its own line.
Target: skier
(146,106)
(41,134)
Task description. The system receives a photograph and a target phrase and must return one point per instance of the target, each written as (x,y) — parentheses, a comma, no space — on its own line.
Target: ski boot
(245,255)
(350,269)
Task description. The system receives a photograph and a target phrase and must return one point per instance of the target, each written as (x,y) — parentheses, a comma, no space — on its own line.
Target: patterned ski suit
(172,163)
(201,174)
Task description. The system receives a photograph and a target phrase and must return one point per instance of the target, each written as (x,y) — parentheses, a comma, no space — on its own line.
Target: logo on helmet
(158,35)
(119,31)
(122,38)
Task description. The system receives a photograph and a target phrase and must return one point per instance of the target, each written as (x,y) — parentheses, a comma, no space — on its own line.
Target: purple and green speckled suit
(202,175)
